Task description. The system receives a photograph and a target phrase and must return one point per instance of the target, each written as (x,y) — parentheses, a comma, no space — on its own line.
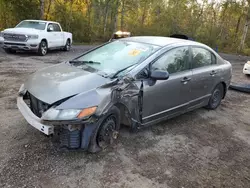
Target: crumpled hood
(25,31)
(60,81)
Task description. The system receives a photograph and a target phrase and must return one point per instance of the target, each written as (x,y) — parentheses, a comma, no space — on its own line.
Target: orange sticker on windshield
(134,52)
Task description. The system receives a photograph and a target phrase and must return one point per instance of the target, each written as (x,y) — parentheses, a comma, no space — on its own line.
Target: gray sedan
(135,81)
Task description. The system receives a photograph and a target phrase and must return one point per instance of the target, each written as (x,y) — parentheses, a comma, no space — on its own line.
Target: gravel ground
(199,149)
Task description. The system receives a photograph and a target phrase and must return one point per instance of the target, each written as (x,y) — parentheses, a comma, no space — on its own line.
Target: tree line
(222,24)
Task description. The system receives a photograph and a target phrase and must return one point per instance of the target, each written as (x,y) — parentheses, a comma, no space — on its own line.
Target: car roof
(41,21)
(160,41)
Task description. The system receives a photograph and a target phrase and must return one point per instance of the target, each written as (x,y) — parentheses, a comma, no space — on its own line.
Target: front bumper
(32,119)
(1,40)
(84,138)
(27,46)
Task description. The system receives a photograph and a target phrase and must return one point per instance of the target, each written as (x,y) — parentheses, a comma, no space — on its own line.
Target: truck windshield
(32,24)
(117,55)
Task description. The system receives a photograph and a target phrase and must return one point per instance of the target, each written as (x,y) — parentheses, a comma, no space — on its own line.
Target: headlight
(68,114)
(32,36)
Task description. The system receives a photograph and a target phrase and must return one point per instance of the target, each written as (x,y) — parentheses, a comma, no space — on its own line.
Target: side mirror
(159,75)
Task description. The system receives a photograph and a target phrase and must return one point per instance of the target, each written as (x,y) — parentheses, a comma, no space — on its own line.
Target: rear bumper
(32,119)
(246,69)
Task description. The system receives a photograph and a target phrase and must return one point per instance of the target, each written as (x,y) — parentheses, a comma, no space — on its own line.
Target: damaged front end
(126,95)
(129,93)
(82,132)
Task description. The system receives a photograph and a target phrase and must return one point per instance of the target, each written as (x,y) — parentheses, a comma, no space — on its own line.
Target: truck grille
(14,37)
(37,106)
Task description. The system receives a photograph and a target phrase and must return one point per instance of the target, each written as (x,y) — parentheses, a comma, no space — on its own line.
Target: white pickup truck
(36,35)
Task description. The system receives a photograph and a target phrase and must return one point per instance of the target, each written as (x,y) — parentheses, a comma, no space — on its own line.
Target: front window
(56,28)
(116,56)
(173,61)
(32,24)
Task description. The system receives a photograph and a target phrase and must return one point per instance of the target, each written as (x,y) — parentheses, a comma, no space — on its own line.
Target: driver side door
(51,36)
(167,98)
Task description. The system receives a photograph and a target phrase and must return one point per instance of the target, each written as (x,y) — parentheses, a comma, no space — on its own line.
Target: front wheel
(9,51)
(109,129)
(216,97)
(43,48)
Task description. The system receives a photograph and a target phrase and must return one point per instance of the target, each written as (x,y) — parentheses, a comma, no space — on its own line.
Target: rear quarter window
(214,60)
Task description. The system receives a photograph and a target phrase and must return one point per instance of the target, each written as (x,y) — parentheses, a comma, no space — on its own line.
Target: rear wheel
(67,46)
(43,48)
(216,97)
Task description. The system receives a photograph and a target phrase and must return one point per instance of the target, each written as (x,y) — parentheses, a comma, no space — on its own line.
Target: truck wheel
(67,46)
(9,51)
(43,48)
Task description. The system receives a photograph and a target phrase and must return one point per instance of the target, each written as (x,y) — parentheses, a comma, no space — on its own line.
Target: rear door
(205,74)
(164,98)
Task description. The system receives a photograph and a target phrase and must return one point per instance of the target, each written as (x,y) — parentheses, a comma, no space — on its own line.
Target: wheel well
(69,40)
(124,114)
(44,40)
(224,89)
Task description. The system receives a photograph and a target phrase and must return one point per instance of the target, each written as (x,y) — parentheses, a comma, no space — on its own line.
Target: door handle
(213,73)
(185,79)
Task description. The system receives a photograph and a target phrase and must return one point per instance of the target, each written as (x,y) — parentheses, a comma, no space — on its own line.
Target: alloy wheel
(68,45)
(44,48)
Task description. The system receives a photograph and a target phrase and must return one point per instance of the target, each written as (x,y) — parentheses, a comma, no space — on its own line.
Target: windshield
(117,55)
(32,24)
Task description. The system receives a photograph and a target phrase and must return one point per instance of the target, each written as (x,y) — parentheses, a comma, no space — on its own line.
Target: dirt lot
(199,149)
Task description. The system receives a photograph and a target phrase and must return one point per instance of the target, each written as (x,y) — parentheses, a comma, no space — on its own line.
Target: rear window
(202,57)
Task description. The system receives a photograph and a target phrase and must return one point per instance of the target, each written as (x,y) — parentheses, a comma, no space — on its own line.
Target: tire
(109,129)
(67,46)
(9,51)
(216,97)
(43,48)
